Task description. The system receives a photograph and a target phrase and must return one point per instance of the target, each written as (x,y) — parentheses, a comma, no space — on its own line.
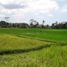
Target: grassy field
(33,47)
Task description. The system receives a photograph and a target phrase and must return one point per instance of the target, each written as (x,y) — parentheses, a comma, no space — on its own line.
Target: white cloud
(44,6)
(50,15)
(33,6)
(64,8)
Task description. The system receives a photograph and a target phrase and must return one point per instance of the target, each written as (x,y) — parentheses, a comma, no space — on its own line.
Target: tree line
(33,24)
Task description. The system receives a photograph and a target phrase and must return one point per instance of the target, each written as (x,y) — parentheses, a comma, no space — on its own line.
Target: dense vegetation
(33,24)
(33,47)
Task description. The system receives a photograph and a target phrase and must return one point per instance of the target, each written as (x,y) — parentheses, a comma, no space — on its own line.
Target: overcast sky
(24,10)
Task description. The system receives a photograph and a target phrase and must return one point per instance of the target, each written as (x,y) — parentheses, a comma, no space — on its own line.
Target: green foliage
(54,55)
(45,34)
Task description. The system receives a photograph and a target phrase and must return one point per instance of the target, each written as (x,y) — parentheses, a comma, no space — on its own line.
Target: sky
(24,10)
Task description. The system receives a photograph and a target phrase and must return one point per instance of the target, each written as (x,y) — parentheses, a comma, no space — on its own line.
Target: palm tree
(43,23)
(34,23)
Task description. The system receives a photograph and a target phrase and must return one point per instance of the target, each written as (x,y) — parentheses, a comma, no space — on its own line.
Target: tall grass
(18,39)
(48,34)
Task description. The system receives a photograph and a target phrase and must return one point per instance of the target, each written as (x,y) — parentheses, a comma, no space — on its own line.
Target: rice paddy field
(33,47)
